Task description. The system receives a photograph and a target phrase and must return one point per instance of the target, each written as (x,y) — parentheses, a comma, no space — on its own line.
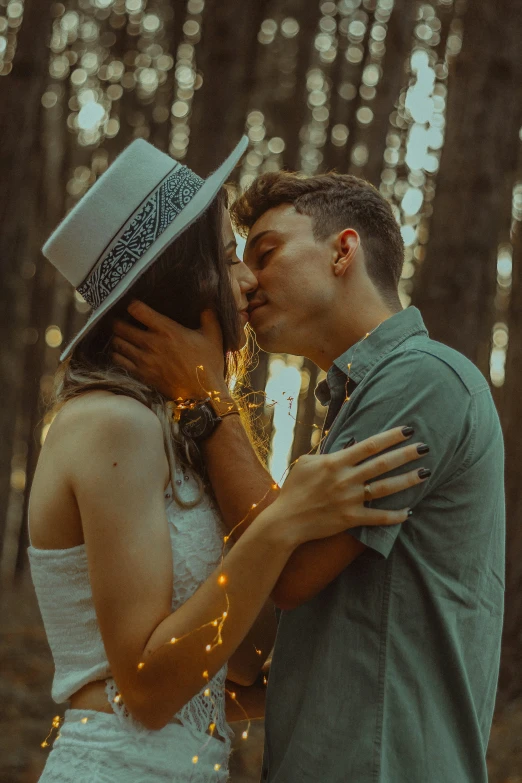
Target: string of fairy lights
(114,76)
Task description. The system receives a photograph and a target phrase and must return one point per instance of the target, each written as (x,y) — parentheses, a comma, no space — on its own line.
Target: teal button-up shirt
(389,675)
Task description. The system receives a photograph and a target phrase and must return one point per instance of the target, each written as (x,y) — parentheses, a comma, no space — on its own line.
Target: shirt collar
(358,360)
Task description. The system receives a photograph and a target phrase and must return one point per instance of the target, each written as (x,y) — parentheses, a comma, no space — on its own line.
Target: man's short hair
(334,202)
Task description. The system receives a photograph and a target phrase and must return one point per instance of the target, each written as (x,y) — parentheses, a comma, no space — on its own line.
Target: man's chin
(270,338)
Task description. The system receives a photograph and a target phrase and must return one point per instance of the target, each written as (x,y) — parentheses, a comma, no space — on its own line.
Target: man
(386,661)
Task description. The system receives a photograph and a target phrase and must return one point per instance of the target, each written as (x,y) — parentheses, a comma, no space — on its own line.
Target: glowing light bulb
(208,648)
(222,579)
(224,614)
(141,665)
(206,692)
(217,766)
(195,759)
(84,720)
(244,735)
(173,640)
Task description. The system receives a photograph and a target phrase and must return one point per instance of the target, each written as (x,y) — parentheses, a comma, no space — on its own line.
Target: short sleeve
(415,389)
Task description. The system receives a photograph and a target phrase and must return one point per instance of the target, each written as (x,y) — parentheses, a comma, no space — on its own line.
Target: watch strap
(223,406)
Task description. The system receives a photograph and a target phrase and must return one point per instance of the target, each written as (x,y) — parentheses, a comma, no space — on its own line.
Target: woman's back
(55,520)
(60,563)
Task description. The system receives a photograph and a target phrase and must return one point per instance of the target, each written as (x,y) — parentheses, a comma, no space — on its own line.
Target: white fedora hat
(138,207)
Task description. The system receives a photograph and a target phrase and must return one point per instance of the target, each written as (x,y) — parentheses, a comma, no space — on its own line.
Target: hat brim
(194,209)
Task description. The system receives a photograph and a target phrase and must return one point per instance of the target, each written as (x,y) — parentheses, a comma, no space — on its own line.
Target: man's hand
(179,362)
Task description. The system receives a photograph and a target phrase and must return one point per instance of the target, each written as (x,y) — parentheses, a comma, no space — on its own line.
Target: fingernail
(350,443)
(410,512)
(407,432)
(423,449)
(424,473)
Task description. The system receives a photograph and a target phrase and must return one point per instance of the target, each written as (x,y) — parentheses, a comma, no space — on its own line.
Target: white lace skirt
(103,750)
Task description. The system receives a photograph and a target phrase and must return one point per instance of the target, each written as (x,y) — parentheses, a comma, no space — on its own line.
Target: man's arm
(251,655)
(244,703)
(239,481)
(238,478)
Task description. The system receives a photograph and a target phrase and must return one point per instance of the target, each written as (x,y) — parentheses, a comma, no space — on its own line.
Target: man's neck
(345,330)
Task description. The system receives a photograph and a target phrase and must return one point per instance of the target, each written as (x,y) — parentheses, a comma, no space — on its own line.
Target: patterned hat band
(156,214)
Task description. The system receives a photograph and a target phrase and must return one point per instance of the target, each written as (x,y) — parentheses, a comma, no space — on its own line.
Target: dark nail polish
(350,443)
(424,473)
(407,432)
(410,512)
(422,449)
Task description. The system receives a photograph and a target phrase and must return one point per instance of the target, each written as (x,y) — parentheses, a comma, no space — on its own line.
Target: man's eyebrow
(253,242)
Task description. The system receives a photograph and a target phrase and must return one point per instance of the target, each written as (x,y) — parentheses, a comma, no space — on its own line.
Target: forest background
(422,98)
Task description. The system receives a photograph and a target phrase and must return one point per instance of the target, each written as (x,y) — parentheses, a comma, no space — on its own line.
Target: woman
(143,598)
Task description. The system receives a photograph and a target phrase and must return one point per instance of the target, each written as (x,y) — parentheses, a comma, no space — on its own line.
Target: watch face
(197,423)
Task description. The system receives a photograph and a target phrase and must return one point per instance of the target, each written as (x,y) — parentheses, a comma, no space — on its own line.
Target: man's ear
(346,246)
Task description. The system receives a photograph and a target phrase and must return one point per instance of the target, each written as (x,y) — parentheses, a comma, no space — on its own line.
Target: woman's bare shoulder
(97,410)
(88,426)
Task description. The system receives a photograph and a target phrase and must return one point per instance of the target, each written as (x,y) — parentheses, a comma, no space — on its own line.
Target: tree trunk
(510,685)
(226,59)
(305,415)
(455,286)
(20,164)
(398,47)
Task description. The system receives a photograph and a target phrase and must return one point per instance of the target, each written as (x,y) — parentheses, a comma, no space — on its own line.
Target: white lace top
(63,590)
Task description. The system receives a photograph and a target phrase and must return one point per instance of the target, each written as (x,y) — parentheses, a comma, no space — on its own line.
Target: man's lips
(255,306)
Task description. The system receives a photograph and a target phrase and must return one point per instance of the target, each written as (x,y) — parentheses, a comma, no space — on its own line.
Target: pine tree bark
(398,47)
(20,164)
(510,686)
(226,59)
(455,286)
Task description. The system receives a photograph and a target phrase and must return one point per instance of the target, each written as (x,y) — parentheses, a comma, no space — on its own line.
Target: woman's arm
(118,472)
